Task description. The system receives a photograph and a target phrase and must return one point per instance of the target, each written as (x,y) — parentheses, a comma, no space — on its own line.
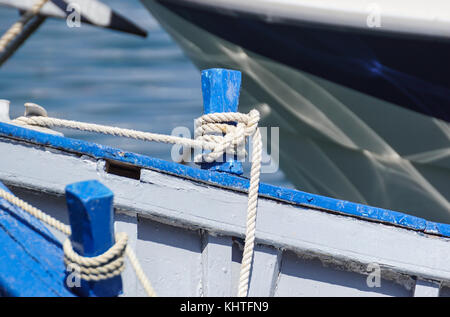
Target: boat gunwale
(225,180)
(313,21)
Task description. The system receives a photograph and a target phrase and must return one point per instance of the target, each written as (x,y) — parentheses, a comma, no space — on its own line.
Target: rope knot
(101,267)
(226,131)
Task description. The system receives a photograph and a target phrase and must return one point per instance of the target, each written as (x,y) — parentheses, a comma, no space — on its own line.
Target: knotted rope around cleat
(206,129)
(102,267)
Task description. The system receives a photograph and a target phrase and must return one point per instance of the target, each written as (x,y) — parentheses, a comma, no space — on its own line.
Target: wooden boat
(187,227)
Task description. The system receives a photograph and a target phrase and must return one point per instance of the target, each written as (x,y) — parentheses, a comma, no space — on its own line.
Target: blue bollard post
(91,216)
(220,88)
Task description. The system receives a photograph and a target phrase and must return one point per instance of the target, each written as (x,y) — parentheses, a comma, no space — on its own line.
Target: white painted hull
(333,140)
(187,234)
(405,16)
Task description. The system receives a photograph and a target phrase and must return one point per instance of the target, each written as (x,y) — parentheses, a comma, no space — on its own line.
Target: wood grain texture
(216,265)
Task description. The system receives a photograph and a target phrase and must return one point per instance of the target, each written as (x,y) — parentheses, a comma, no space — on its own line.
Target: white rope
(104,266)
(252,205)
(206,128)
(17,27)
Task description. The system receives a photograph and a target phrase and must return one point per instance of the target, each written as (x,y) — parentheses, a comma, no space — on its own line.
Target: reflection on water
(107,77)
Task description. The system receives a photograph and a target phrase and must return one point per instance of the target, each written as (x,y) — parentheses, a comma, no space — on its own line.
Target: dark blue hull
(409,71)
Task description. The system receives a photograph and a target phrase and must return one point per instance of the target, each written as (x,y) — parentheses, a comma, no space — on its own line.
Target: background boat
(362,110)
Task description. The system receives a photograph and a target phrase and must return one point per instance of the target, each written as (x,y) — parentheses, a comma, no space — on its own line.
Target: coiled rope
(104,266)
(18,27)
(206,128)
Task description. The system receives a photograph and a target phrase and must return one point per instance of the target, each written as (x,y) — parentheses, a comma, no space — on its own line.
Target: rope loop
(227,130)
(101,267)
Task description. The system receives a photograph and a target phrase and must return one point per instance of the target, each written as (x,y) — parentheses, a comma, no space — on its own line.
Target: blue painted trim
(91,214)
(31,259)
(226,180)
(220,89)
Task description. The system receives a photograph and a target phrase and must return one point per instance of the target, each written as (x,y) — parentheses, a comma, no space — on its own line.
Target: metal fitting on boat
(34,110)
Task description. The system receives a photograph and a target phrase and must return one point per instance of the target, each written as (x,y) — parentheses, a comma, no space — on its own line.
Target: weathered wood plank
(295,197)
(171,258)
(220,89)
(266,267)
(128,224)
(300,276)
(216,265)
(91,215)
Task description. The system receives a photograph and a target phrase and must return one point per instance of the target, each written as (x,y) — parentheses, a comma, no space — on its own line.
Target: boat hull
(338,136)
(187,226)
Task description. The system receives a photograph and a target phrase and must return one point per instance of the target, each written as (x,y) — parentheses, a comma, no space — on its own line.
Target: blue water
(102,76)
